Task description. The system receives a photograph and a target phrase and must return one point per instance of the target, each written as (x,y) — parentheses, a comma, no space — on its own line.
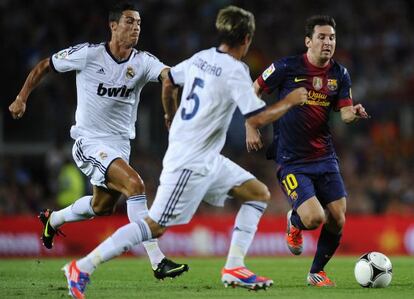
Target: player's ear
(247,40)
(112,25)
(307,42)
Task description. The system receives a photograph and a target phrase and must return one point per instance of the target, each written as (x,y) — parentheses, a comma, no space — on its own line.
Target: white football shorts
(180,192)
(93,157)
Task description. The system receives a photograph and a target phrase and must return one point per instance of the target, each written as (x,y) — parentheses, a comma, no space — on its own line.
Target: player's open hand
(253,138)
(17,108)
(359,111)
(298,96)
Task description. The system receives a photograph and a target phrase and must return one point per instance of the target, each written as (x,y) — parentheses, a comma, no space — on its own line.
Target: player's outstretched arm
(352,113)
(273,112)
(18,107)
(253,138)
(169,97)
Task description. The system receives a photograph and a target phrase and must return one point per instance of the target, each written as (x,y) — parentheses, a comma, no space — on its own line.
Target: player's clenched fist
(298,96)
(17,108)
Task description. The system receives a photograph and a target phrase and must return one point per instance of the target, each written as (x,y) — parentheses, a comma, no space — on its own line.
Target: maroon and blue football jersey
(302,134)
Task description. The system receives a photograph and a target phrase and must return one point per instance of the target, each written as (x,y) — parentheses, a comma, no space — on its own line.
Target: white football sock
(137,210)
(244,230)
(121,241)
(78,211)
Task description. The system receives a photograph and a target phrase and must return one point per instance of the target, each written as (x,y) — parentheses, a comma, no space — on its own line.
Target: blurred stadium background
(375,41)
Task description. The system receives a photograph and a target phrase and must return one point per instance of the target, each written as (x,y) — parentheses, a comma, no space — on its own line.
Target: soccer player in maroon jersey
(308,168)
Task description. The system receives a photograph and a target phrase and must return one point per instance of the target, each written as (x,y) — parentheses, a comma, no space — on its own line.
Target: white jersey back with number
(108,90)
(215,84)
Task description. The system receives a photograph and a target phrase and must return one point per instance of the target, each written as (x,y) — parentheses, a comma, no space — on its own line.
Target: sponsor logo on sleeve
(61,54)
(268,71)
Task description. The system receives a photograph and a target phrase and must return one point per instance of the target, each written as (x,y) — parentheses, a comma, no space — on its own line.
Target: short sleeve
(242,93)
(177,73)
(70,59)
(344,92)
(272,76)
(154,67)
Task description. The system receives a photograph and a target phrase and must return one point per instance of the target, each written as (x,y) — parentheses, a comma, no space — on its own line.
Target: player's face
(128,28)
(322,45)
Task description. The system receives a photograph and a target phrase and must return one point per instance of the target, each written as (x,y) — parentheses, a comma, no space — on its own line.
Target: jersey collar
(113,57)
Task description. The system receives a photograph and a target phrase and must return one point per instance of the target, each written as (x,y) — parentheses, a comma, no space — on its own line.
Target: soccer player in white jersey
(214,82)
(109,79)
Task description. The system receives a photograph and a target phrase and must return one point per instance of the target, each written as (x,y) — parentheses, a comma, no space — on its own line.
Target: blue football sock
(327,244)
(296,221)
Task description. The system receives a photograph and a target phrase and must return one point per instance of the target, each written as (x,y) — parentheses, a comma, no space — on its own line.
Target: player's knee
(134,185)
(262,193)
(313,221)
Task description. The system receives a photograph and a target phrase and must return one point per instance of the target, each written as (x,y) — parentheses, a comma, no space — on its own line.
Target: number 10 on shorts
(290,183)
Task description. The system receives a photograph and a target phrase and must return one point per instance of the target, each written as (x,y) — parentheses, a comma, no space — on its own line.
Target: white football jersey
(215,83)
(108,90)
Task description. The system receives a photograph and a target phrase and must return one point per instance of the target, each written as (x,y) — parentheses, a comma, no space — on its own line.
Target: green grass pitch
(132,278)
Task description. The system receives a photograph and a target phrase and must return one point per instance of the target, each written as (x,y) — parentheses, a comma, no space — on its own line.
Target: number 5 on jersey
(186,112)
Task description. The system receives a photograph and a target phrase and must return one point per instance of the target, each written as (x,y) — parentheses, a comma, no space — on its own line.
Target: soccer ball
(373,270)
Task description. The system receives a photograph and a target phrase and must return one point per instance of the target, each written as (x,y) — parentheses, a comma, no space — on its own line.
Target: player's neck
(236,52)
(119,51)
(316,62)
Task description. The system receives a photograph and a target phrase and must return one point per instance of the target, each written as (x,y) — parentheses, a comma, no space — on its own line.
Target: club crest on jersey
(332,84)
(317,83)
(268,71)
(130,73)
(61,54)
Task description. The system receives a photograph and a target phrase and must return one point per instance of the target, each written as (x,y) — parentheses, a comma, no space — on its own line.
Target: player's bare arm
(253,138)
(258,89)
(169,97)
(297,97)
(352,113)
(18,107)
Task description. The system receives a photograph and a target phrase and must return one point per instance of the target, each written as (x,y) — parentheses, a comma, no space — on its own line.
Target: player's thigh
(329,188)
(104,200)
(298,187)
(123,178)
(94,157)
(229,180)
(178,196)
(251,190)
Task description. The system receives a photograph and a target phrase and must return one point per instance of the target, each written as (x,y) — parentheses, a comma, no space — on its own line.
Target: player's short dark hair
(233,24)
(318,20)
(115,12)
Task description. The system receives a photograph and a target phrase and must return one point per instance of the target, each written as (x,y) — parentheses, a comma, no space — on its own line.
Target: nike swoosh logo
(299,79)
(46,233)
(175,269)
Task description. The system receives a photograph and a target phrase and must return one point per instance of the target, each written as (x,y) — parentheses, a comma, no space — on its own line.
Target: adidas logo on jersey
(123,91)
(101,71)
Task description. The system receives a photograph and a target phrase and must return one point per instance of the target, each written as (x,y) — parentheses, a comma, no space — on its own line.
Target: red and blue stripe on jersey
(302,134)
